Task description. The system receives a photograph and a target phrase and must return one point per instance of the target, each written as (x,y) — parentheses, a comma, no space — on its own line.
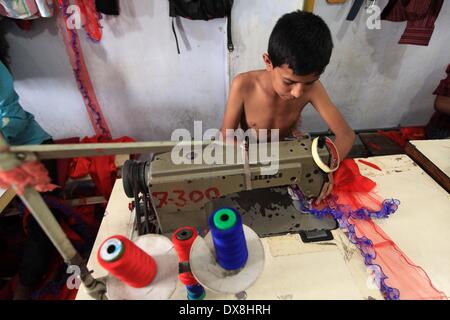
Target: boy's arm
(345,137)
(442,104)
(234,106)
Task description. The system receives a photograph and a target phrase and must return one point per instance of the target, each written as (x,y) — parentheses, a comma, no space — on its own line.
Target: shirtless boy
(300,48)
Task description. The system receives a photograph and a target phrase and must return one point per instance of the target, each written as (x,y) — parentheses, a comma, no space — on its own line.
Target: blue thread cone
(229,242)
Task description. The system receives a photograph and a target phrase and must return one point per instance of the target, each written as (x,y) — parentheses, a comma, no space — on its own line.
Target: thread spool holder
(212,276)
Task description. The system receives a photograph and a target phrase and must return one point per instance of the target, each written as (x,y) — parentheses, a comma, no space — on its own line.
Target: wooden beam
(429,167)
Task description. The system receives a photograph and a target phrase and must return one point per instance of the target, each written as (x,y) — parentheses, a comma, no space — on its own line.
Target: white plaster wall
(145,88)
(373,80)
(252,23)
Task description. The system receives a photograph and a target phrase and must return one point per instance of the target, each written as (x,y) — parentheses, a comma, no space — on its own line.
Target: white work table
(437,151)
(334,269)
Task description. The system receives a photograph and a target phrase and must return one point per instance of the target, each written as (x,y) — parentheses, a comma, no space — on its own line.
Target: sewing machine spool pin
(210,275)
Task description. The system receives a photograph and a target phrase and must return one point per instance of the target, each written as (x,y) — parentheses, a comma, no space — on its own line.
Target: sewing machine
(171,195)
(175,194)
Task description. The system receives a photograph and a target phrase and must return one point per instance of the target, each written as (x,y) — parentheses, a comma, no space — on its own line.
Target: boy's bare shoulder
(247,80)
(317,91)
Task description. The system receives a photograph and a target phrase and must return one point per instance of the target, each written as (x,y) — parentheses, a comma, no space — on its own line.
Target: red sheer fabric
(90,19)
(355,200)
(353,189)
(31,174)
(81,73)
(402,273)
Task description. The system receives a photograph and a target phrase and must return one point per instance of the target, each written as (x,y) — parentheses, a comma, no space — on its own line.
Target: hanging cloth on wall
(353,203)
(202,10)
(90,18)
(76,58)
(108,7)
(420,16)
(26,9)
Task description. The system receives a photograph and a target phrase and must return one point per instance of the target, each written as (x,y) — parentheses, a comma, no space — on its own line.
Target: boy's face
(285,83)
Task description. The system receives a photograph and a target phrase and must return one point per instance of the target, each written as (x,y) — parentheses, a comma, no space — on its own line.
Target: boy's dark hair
(303,41)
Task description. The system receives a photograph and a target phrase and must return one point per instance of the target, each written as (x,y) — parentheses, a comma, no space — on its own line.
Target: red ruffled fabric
(31,174)
(402,273)
(76,59)
(90,19)
(355,191)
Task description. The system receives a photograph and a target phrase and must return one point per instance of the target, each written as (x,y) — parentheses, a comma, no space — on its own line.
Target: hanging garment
(81,73)
(202,10)
(420,16)
(91,19)
(26,9)
(108,7)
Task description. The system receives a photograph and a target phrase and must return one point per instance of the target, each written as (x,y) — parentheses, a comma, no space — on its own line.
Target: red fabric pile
(102,169)
(402,136)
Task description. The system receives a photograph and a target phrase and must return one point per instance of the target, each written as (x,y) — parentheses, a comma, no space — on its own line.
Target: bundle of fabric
(101,169)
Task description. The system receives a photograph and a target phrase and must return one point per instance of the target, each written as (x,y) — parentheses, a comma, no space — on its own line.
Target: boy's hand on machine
(326,189)
(298,134)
